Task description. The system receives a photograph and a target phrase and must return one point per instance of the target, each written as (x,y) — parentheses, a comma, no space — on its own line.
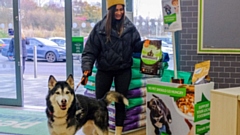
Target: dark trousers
(23,64)
(121,80)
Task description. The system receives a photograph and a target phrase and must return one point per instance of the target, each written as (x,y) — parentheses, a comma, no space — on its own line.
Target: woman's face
(119,12)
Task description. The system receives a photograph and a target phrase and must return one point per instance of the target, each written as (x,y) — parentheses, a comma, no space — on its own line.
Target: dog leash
(83,80)
(79,84)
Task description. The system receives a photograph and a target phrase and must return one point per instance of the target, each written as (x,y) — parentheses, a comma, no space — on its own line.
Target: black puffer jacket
(114,55)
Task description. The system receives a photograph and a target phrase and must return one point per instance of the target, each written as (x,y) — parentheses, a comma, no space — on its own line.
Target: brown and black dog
(160,115)
(67,112)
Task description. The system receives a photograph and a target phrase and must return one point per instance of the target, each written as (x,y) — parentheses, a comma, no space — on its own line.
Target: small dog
(160,115)
(67,112)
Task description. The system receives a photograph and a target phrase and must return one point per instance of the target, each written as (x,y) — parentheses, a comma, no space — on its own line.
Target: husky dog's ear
(51,82)
(70,81)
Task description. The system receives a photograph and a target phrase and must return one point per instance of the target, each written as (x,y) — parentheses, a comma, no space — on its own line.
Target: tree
(28,5)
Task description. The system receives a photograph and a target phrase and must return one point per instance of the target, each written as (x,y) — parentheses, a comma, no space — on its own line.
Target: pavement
(34,89)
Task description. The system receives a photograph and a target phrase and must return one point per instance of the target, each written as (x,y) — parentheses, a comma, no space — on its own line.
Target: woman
(111,44)
(24,49)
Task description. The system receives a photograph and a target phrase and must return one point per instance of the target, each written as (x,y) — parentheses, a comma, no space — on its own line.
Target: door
(10,69)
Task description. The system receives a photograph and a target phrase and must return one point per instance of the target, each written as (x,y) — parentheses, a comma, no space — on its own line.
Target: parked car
(61,41)
(6,40)
(46,50)
(4,50)
(2,44)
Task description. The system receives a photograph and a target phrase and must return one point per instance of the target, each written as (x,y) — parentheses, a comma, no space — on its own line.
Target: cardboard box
(225,111)
(177,111)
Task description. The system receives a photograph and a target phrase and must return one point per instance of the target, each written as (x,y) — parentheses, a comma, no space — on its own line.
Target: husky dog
(67,112)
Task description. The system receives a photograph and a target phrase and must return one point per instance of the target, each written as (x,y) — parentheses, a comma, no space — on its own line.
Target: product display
(179,107)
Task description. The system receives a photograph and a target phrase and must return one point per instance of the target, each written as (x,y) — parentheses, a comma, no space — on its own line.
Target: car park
(46,50)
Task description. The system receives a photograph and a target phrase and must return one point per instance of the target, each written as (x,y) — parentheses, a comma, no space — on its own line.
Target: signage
(171,15)
(77,45)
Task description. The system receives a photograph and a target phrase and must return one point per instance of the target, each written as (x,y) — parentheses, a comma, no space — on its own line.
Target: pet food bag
(151,57)
(178,109)
(201,71)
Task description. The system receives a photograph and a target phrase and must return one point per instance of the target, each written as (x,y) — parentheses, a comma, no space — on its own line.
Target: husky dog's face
(61,93)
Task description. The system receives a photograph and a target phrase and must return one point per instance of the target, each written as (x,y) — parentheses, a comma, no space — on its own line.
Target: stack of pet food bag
(136,111)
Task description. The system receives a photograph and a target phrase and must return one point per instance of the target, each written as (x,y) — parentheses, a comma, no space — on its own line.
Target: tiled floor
(140,131)
(30,108)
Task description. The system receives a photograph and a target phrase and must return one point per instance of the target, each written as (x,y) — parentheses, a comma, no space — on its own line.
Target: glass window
(45,41)
(149,23)
(85,14)
(34,42)
(6,40)
(1,41)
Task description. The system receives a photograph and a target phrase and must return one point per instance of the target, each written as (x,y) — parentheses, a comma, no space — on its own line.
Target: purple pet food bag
(138,92)
(130,119)
(131,126)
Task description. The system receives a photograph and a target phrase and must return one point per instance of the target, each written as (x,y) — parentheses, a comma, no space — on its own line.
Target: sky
(151,8)
(146,8)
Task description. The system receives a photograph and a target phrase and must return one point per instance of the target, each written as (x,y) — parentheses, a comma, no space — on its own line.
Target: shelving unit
(225,111)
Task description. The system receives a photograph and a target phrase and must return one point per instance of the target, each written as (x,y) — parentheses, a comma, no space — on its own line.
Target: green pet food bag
(151,57)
